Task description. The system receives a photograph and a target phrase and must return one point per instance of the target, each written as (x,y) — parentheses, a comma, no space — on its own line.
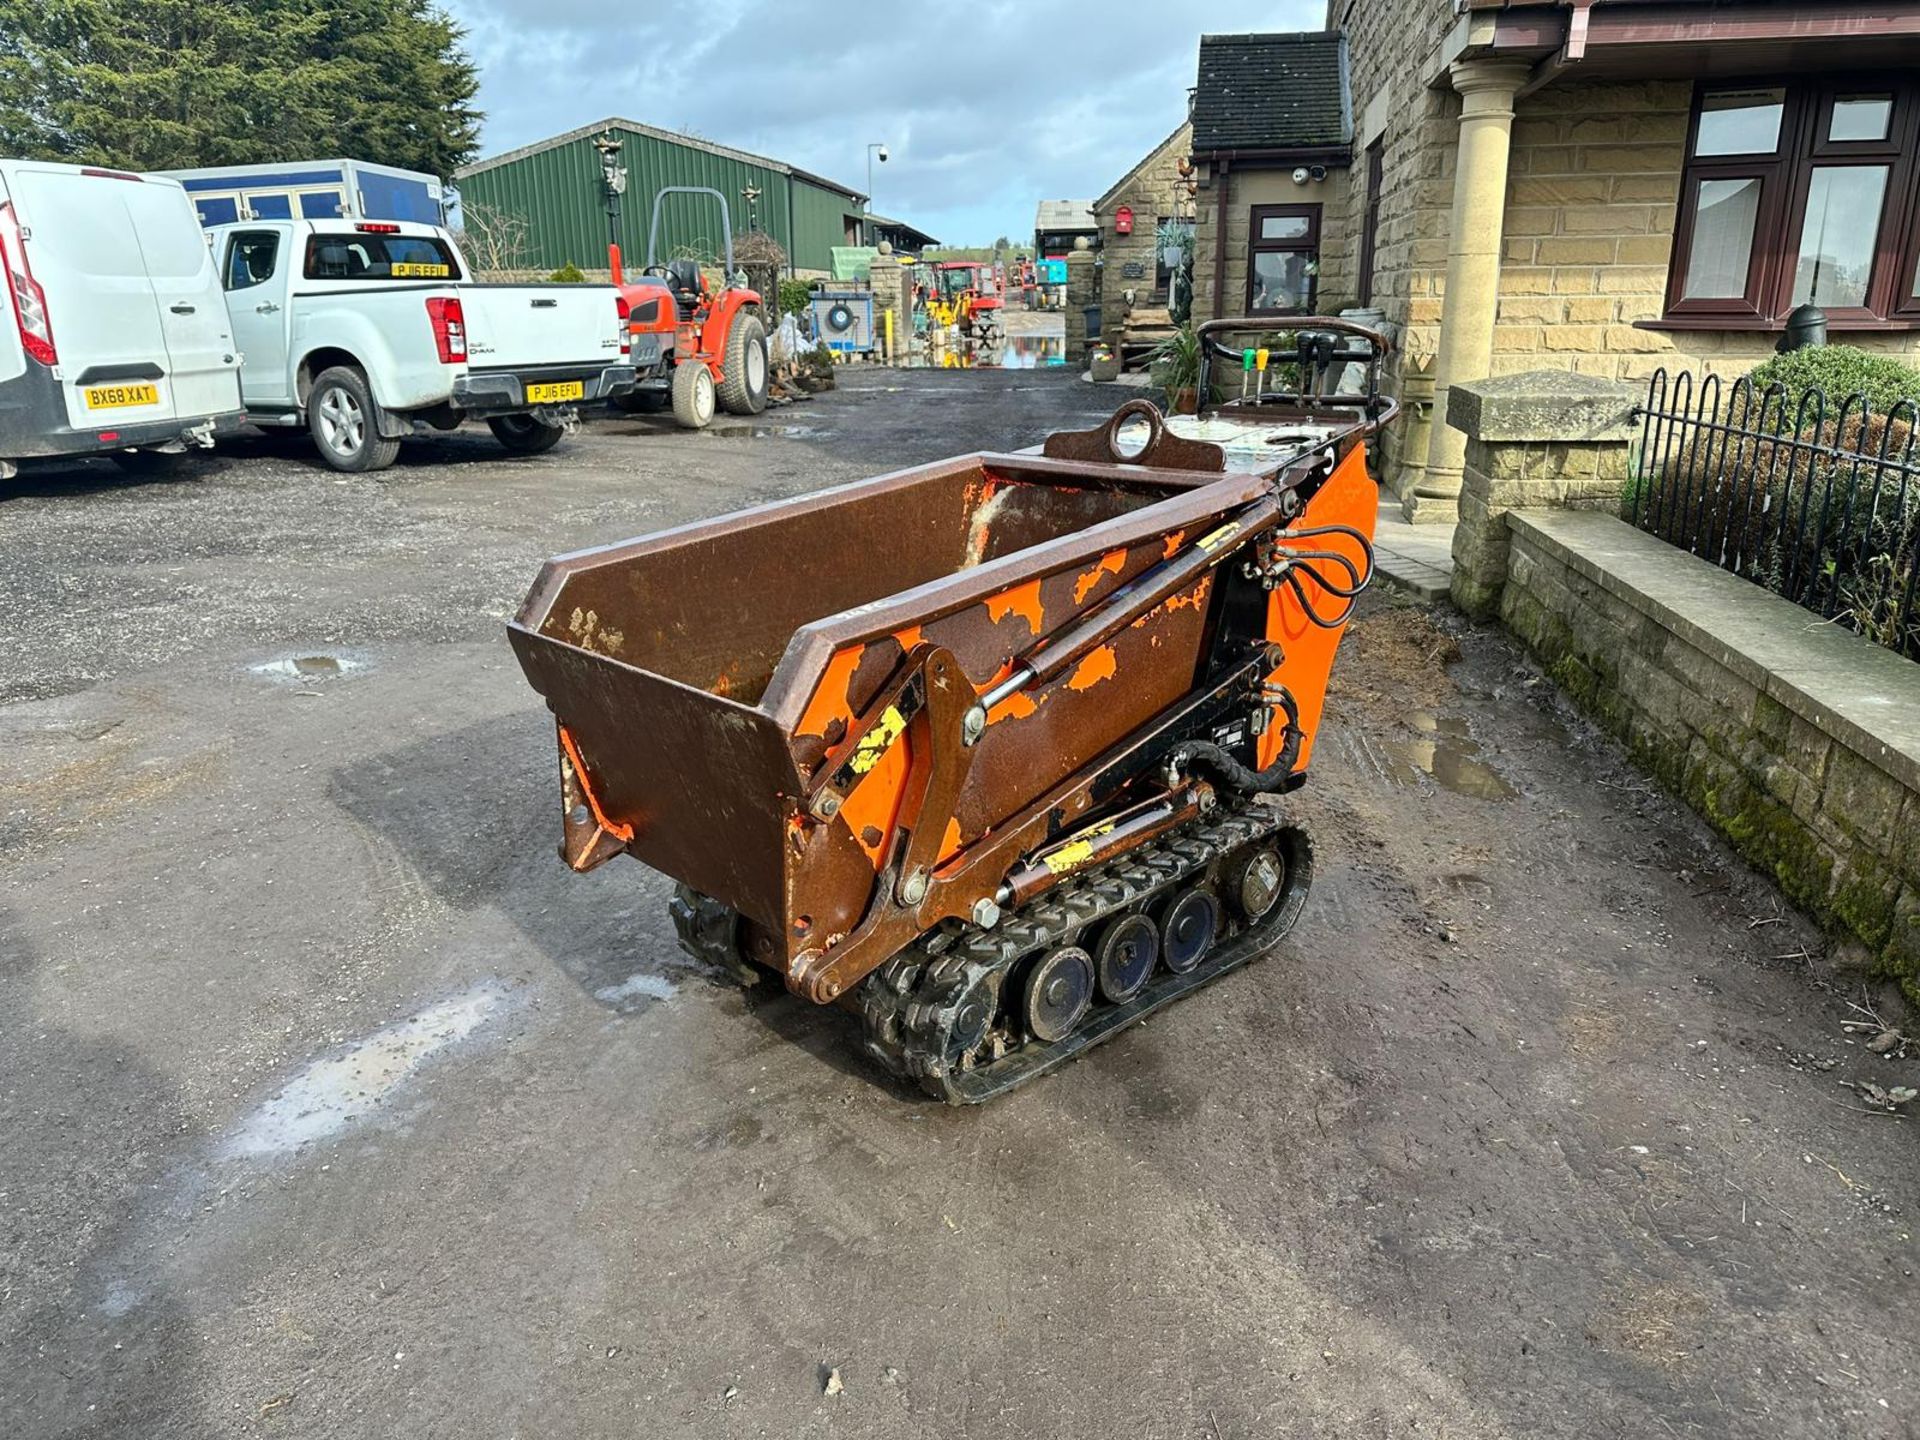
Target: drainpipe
(1223,169)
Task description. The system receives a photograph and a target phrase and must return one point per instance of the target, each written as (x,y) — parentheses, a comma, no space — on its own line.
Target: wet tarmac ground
(334,1105)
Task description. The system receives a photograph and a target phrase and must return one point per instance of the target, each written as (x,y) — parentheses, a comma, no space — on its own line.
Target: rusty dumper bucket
(986,750)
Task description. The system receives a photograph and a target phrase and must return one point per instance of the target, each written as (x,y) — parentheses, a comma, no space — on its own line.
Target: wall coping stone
(1544,405)
(1862,694)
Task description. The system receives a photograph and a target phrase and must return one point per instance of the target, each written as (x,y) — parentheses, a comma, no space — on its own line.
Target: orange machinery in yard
(1013,778)
(695,345)
(969,294)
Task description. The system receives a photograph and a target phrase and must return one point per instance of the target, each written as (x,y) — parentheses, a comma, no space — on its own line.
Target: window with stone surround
(1283,259)
(1796,193)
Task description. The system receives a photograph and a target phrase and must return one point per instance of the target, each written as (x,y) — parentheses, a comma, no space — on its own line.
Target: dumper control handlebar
(1320,348)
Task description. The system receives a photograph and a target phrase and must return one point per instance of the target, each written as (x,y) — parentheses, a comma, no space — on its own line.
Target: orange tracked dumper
(994,752)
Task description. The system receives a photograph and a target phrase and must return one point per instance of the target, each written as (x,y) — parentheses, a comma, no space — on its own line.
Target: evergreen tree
(161,84)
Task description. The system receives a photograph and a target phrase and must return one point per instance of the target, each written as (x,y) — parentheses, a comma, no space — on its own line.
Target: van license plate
(115,397)
(555,393)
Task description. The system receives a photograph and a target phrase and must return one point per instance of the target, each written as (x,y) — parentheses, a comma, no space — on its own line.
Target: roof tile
(1266,92)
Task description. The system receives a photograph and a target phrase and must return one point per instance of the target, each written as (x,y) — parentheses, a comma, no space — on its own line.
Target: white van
(114,338)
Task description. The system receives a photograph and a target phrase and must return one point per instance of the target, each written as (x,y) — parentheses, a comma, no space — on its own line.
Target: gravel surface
(334,1105)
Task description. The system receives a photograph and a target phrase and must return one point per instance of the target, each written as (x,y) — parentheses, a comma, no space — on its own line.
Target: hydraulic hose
(1235,776)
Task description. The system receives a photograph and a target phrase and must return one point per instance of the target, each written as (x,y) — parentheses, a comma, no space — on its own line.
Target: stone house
(1272,147)
(1130,214)
(1615,187)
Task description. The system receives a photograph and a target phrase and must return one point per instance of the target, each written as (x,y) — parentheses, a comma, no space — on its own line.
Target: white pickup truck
(363,331)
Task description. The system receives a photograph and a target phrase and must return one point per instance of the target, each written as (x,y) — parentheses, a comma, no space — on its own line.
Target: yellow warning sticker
(1075,853)
(877,741)
(1226,532)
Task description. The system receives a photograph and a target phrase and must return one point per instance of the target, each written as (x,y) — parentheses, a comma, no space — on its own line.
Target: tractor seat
(683,276)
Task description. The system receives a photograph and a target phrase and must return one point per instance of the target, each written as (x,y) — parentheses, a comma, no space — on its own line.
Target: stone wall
(1592,189)
(1392,55)
(1546,439)
(1799,742)
(1591,194)
(1246,189)
(1153,190)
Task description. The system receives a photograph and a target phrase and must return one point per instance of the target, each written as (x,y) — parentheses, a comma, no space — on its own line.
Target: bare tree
(496,241)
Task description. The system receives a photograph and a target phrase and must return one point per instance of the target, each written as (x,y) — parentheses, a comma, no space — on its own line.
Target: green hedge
(1841,370)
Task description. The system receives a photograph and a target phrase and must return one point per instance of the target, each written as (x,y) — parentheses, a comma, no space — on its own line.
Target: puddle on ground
(1016,352)
(331,1094)
(769,432)
(635,991)
(305,668)
(1444,752)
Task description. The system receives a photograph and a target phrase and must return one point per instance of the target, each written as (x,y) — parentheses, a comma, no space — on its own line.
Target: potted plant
(1176,369)
(1174,240)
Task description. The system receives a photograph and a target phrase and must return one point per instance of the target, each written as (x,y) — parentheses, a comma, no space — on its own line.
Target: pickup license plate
(115,397)
(555,393)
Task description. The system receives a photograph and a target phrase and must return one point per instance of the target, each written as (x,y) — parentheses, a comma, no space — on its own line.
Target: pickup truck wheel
(525,434)
(345,424)
(693,395)
(744,390)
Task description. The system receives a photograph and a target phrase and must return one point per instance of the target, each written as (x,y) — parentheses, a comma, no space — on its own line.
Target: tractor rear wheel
(693,395)
(743,390)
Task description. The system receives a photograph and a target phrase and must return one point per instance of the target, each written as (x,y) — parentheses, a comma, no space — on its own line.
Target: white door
(100,303)
(253,263)
(202,356)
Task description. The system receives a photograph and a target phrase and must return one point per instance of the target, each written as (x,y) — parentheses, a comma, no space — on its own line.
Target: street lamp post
(613,178)
(881,147)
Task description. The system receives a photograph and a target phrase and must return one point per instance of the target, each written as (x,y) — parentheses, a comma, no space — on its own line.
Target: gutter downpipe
(1224,174)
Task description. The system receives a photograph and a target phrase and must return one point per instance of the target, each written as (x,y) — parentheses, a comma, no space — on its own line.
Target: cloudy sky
(985,108)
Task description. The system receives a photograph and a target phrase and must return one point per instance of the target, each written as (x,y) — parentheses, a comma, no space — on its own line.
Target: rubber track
(910,1003)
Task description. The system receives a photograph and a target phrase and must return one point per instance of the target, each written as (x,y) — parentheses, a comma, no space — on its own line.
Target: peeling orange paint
(1022,600)
(950,844)
(1017,706)
(1181,602)
(1100,665)
(1174,542)
(909,637)
(829,702)
(1112,563)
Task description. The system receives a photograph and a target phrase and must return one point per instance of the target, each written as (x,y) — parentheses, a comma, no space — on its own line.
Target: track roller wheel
(1187,928)
(970,1021)
(1256,878)
(1058,991)
(1124,956)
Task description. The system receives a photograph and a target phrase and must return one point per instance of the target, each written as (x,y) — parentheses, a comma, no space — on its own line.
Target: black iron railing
(1817,503)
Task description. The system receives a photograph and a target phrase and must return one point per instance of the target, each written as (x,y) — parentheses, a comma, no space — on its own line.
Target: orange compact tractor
(694,346)
(1020,774)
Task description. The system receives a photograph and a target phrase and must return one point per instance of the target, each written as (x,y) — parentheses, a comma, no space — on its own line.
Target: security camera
(882,155)
(1319,172)
(1302,175)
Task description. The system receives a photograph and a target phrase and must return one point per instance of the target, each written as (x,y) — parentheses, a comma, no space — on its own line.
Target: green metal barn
(558,187)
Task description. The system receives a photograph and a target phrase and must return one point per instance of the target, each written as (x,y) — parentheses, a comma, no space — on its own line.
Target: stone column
(888,278)
(1081,293)
(1465,351)
(1548,439)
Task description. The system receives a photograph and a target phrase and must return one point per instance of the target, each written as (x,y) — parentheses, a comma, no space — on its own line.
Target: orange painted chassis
(843,786)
